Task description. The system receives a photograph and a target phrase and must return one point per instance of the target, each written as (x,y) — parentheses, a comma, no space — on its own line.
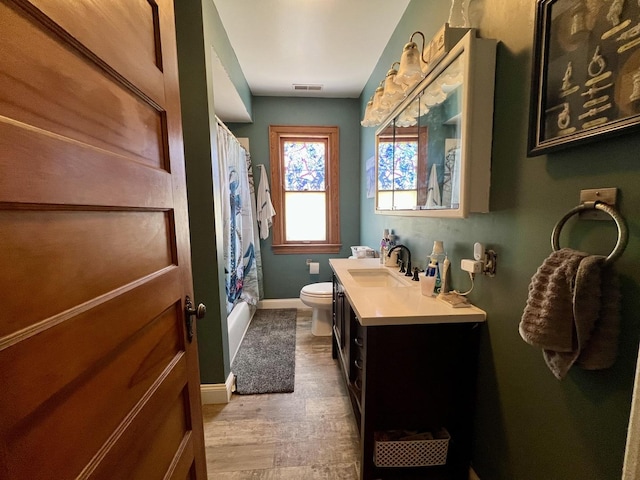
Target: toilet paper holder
(314,267)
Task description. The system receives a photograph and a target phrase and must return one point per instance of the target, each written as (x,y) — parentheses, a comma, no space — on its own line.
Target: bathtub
(237,323)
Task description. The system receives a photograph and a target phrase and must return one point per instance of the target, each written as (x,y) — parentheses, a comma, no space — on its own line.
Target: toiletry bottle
(392,240)
(384,250)
(437,256)
(428,280)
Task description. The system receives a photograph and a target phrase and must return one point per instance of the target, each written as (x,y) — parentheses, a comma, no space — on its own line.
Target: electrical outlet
(472,266)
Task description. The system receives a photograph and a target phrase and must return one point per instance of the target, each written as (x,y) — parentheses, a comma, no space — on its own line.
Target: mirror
(439,137)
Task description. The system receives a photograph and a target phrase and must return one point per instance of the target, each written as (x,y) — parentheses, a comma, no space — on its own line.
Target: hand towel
(572,312)
(597,313)
(547,321)
(264,205)
(433,189)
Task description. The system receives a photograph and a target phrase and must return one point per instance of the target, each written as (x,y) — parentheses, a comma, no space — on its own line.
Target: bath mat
(266,359)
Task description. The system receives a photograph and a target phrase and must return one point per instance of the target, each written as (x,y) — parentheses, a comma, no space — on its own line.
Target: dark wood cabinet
(408,377)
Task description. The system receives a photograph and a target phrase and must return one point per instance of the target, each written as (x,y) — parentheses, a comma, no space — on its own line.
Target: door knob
(199,312)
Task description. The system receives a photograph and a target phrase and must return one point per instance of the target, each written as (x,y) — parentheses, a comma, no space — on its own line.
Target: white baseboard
(473,475)
(214,393)
(281,303)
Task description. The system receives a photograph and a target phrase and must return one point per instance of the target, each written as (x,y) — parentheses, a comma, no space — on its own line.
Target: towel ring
(623,232)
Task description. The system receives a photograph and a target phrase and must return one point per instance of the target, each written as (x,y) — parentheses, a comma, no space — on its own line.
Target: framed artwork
(586,72)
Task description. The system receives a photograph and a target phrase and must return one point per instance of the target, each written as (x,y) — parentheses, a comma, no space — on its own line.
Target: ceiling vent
(307,88)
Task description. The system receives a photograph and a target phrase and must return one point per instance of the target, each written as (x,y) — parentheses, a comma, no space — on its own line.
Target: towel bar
(623,232)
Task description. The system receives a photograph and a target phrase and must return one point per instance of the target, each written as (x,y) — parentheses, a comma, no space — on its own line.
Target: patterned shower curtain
(242,262)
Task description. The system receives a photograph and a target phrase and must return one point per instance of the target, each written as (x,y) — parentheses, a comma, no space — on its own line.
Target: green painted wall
(198,31)
(529,425)
(285,275)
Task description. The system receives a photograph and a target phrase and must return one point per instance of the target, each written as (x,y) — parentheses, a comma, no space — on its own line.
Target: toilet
(319,296)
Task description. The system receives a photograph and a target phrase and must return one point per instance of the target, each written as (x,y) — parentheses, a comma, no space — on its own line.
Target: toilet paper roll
(314,268)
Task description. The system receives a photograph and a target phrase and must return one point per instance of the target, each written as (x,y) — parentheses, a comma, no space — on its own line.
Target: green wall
(199,32)
(285,275)
(529,425)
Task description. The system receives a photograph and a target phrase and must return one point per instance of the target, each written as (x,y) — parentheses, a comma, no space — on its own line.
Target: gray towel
(547,321)
(572,312)
(597,313)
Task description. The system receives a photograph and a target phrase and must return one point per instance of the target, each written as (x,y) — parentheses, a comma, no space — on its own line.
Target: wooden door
(97,377)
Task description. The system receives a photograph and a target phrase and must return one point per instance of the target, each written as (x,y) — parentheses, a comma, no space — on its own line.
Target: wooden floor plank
(310,433)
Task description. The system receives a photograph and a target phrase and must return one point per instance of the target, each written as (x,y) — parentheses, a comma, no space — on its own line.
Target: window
(402,171)
(305,189)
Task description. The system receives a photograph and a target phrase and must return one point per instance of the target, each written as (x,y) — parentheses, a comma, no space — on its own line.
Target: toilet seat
(319,290)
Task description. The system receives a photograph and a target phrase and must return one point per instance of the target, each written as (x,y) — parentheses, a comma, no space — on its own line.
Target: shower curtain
(242,260)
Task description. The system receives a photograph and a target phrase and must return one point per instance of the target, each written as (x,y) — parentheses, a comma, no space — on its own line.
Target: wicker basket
(412,453)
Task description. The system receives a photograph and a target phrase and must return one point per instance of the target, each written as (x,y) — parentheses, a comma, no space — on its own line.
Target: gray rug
(266,359)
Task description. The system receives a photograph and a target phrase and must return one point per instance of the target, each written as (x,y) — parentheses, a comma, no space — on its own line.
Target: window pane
(397,165)
(304,166)
(405,165)
(306,217)
(385,166)
(405,199)
(385,200)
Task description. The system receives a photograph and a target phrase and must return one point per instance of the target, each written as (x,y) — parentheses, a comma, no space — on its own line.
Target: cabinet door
(341,310)
(338,307)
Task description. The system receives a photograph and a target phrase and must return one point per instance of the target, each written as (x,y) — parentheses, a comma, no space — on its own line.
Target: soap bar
(454,300)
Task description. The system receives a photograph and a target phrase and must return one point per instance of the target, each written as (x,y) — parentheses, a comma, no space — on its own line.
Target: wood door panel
(108,24)
(106,464)
(130,245)
(140,455)
(181,468)
(81,175)
(97,377)
(76,98)
(88,338)
(87,410)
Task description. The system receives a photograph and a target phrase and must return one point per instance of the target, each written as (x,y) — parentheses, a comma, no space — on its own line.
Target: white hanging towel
(265,207)
(433,189)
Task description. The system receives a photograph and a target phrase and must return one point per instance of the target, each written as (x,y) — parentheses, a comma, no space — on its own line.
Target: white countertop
(400,305)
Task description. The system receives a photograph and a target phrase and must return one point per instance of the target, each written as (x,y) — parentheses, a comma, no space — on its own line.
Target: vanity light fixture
(412,60)
(393,92)
(370,118)
(379,107)
(397,84)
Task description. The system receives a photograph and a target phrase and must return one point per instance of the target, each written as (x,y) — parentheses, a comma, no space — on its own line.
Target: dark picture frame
(586,72)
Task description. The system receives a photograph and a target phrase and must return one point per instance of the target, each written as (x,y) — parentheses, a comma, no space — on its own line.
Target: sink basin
(376,278)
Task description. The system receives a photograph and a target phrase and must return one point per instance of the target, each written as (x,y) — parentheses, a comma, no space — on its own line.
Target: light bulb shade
(410,70)
(393,93)
(414,108)
(370,119)
(378,107)
(405,119)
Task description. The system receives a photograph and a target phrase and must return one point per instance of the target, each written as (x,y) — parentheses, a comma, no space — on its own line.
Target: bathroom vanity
(408,361)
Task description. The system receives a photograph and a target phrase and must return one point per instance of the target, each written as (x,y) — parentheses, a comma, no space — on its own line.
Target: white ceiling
(279,43)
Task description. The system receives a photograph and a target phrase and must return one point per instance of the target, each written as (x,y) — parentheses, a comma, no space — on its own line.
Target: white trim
(281,303)
(631,466)
(214,393)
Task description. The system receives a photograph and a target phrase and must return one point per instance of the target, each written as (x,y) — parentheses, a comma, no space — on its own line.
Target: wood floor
(309,434)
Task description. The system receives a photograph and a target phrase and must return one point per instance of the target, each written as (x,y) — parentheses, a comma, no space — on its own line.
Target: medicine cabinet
(433,152)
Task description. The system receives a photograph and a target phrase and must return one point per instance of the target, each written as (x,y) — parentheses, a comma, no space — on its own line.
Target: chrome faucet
(402,264)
